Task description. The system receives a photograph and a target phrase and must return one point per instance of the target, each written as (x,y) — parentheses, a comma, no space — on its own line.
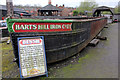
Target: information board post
(32,57)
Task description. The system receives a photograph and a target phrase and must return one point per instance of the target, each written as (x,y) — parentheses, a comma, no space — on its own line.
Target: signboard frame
(44,53)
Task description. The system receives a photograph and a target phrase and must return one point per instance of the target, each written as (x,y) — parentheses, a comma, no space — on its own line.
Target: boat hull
(61,45)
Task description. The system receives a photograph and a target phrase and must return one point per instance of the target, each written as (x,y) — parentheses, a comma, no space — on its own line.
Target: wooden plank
(4,39)
(94,42)
(102,38)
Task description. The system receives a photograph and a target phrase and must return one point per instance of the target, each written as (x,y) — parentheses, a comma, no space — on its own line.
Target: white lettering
(34,27)
(17,27)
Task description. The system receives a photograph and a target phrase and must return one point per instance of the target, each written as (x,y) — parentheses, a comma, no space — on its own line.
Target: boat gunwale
(53,20)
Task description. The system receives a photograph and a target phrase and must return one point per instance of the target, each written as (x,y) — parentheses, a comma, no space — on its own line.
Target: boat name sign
(41,27)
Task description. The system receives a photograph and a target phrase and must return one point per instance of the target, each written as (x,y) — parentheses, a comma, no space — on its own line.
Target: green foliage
(106,12)
(87,5)
(117,9)
(75,13)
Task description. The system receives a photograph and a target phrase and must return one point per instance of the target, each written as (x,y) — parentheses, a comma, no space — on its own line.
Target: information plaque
(32,58)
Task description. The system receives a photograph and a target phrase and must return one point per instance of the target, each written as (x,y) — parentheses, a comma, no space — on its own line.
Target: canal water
(92,62)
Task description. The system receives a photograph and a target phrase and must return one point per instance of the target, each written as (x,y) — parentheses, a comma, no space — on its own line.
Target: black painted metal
(61,45)
(5,33)
(97,11)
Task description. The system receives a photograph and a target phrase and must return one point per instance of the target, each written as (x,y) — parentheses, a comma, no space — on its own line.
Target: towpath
(94,62)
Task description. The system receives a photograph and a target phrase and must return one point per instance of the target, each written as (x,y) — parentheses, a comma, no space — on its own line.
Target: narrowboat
(63,37)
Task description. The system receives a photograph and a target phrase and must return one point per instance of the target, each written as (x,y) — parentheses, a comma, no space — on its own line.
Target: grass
(8,66)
